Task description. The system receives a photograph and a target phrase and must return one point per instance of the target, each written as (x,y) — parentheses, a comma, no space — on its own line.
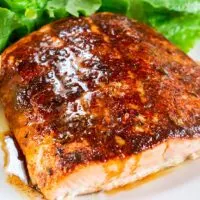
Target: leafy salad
(178,20)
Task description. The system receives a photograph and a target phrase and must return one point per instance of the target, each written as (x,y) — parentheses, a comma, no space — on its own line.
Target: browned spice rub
(96,88)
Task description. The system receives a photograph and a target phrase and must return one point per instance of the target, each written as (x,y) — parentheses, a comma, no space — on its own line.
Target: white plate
(182,183)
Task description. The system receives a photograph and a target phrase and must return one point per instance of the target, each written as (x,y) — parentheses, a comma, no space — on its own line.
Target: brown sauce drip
(139,183)
(15,177)
(30,192)
(115,168)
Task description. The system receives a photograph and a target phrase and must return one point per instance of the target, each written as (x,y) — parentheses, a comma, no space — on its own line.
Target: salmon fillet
(98,102)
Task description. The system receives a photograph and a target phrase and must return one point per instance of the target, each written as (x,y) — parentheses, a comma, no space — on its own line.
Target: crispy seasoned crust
(91,89)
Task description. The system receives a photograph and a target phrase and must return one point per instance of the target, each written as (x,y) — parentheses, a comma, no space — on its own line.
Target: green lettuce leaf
(62,8)
(9,23)
(187,6)
(117,6)
(178,20)
(29,14)
(182,30)
(86,7)
(57,8)
(21,5)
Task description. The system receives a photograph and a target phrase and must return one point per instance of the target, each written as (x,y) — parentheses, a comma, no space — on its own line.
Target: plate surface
(182,182)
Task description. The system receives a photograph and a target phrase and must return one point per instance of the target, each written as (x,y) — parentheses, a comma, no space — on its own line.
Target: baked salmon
(98,102)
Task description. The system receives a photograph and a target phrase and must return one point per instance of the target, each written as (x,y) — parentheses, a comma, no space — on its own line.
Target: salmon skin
(98,102)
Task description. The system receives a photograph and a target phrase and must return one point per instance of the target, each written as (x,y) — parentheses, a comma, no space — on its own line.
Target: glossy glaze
(97,88)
